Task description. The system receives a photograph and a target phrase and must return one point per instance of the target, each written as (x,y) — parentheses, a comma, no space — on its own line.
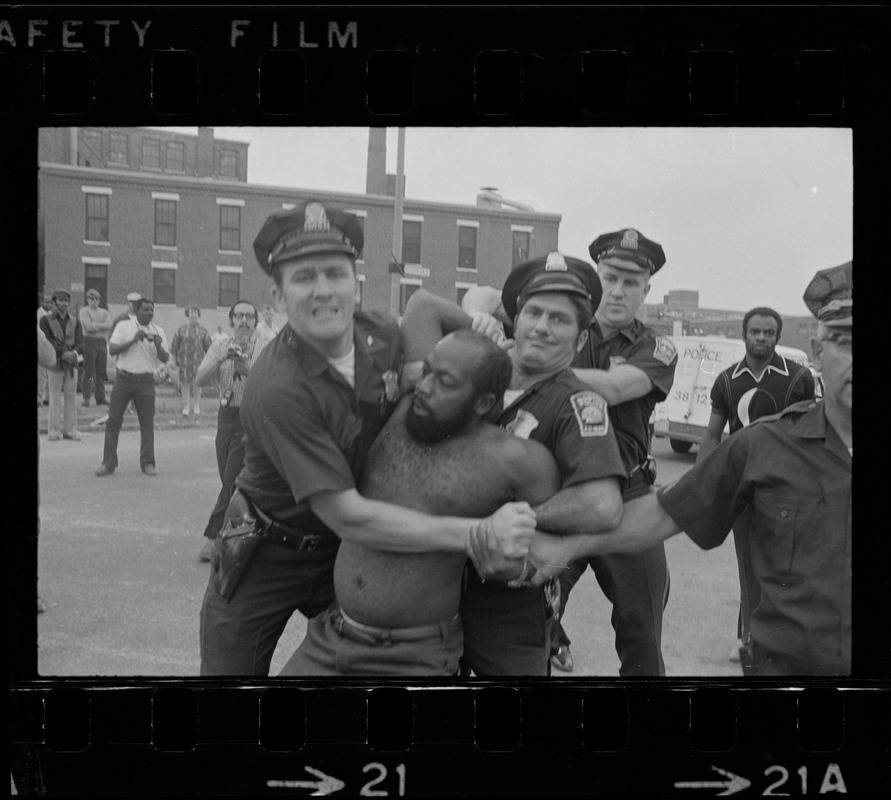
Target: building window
(117,151)
(360,290)
(466,247)
(411,242)
(230,228)
(165,223)
(228,163)
(406,290)
(91,156)
(176,156)
(230,289)
(164,286)
(97,217)
(520,248)
(151,153)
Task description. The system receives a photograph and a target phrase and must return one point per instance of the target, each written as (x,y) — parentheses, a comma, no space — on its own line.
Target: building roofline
(348,198)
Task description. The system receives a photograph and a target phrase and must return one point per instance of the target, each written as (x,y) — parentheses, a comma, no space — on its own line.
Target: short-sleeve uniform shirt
(793,472)
(641,347)
(306,429)
(571,420)
(741,398)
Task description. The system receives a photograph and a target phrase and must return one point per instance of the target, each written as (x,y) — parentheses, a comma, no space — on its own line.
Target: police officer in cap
(632,367)
(792,471)
(313,403)
(549,301)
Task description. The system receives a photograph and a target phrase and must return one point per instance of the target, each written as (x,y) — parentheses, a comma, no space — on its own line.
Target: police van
(683,416)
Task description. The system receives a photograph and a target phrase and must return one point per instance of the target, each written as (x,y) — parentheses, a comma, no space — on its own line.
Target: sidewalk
(168,412)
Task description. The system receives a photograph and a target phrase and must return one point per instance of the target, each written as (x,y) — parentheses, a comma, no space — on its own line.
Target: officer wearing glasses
(793,472)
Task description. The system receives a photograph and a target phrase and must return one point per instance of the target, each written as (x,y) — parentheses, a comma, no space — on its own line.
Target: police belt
(366,634)
(277,533)
(644,474)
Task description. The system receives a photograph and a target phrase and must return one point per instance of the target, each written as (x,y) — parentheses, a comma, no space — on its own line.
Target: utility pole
(396,268)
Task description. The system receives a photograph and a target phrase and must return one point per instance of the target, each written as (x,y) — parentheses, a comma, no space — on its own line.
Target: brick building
(173,216)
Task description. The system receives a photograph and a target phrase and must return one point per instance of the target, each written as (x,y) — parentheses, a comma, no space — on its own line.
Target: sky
(746,216)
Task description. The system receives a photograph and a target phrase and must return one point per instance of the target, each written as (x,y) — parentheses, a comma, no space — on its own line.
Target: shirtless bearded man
(396,614)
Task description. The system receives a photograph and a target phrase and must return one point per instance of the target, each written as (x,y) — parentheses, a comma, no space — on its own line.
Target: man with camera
(141,348)
(229,360)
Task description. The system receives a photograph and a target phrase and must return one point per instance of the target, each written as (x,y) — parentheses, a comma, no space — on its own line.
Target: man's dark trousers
(140,388)
(95,357)
(230,460)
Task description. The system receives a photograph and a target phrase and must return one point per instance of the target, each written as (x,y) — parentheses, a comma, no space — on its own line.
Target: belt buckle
(309,543)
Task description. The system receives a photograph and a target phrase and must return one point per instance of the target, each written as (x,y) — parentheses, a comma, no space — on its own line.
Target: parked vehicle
(683,416)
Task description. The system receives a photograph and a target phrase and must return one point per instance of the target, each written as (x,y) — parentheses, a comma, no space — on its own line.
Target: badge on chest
(522,425)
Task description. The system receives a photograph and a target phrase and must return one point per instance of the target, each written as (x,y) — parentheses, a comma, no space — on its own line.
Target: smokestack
(376,175)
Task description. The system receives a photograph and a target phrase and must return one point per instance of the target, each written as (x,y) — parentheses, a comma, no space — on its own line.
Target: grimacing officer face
(623,293)
(547,333)
(318,293)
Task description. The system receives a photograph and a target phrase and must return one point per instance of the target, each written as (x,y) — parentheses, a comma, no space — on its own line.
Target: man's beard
(429,430)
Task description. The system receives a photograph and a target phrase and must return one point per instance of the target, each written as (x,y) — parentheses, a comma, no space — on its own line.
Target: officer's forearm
(586,507)
(385,526)
(645,523)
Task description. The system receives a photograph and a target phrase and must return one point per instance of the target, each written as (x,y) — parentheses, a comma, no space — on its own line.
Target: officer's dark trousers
(239,637)
(141,390)
(230,460)
(637,586)
(95,356)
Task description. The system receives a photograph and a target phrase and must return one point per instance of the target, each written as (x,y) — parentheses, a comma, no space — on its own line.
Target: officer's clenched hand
(490,562)
(513,526)
(547,554)
(487,325)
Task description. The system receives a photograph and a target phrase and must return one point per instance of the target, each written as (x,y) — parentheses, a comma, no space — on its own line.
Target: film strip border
(491,65)
(485,740)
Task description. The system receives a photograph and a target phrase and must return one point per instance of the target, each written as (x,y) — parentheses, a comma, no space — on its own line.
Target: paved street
(119,572)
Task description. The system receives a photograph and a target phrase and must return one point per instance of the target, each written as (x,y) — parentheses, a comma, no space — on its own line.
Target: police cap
(628,249)
(133,297)
(551,273)
(830,295)
(306,230)
(61,294)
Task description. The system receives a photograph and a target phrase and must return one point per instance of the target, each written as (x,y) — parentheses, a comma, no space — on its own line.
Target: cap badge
(629,240)
(556,262)
(315,218)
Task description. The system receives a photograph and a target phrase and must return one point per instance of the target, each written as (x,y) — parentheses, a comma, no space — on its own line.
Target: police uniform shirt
(306,429)
(571,420)
(794,473)
(741,398)
(641,347)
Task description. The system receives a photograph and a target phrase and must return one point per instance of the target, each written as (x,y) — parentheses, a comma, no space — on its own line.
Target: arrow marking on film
(327,784)
(732,786)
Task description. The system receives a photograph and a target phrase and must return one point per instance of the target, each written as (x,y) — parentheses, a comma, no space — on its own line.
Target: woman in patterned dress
(189,345)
